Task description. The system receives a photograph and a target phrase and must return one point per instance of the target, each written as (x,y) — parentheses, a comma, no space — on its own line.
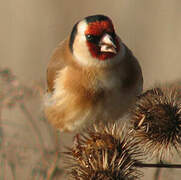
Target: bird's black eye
(92,38)
(89,37)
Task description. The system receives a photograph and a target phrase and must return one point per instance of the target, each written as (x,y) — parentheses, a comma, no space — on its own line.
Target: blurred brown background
(30,30)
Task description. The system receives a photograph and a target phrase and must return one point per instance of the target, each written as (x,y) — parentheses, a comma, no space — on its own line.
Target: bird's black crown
(94,18)
(88,19)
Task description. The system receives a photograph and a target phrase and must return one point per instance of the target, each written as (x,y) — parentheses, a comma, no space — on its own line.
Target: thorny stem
(13,170)
(54,163)
(51,130)
(2,169)
(2,174)
(32,123)
(143,165)
(157,174)
(34,126)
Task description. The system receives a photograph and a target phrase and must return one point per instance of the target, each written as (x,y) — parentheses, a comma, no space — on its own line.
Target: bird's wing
(56,64)
(133,71)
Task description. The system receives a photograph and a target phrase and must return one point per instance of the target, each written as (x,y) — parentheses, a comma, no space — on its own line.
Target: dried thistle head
(156,120)
(104,153)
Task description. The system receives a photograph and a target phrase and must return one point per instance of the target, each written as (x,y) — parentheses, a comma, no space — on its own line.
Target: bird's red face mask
(101,40)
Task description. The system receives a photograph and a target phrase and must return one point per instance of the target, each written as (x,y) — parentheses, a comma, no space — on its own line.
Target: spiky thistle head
(104,153)
(156,120)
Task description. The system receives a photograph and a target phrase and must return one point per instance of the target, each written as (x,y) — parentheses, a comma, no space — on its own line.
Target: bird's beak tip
(108,48)
(107,44)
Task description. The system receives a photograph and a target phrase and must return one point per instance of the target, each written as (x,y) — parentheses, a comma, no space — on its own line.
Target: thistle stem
(157,174)
(32,123)
(143,165)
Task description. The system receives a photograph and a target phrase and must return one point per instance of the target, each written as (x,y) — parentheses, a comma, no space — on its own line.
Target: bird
(92,77)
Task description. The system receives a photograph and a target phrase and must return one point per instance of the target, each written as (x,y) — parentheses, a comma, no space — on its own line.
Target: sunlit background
(31,29)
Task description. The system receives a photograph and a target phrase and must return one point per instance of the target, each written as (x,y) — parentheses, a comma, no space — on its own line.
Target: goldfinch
(91,77)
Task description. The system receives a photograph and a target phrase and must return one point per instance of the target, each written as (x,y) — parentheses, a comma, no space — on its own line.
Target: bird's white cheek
(80,47)
(81,51)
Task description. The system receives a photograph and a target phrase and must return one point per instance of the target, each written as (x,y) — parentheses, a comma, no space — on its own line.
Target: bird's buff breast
(70,110)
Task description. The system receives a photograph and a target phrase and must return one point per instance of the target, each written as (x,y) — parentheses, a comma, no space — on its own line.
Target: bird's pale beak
(107,45)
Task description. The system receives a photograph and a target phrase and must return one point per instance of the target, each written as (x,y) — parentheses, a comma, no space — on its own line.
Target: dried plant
(100,153)
(103,153)
(15,150)
(156,121)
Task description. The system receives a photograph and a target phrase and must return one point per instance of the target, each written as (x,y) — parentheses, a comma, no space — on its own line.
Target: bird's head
(93,41)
